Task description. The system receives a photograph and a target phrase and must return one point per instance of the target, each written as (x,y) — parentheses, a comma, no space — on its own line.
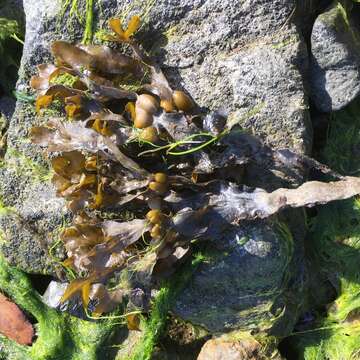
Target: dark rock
(335,60)
(306,13)
(7,107)
(243,283)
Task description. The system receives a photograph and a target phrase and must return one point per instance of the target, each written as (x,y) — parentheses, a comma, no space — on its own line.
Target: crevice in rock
(320,122)
(308,11)
(12,20)
(40,282)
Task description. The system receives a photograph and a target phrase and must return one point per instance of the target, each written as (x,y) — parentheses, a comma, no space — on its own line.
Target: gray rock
(335,60)
(35,215)
(248,59)
(242,286)
(244,57)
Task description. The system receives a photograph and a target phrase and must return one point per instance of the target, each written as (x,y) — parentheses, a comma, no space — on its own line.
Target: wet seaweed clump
(146,150)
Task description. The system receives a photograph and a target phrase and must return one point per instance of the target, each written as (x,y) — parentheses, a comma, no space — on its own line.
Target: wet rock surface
(335,59)
(244,283)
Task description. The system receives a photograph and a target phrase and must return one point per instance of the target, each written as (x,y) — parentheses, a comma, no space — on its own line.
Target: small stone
(244,349)
(13,323)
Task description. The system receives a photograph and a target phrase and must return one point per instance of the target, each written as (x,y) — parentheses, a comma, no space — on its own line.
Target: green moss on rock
(59,335)
(154,327)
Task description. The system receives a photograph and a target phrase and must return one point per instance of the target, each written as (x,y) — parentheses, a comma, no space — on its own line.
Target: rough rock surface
(244,349)
(335,60)
(246,58)
(32,213)
(244,282)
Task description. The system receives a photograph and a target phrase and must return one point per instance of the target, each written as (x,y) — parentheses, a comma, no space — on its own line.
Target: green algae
(22,165)
(59,335)
(154,327)
(74,9)
(89,23)
(8,28)
(334,253)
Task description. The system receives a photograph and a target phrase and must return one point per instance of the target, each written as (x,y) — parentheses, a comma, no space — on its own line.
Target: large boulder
(335,57)
(249,60)
(246,58)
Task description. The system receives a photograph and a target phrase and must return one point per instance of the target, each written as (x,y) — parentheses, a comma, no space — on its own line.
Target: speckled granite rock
(335,60)
(247,58)
(32,213)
